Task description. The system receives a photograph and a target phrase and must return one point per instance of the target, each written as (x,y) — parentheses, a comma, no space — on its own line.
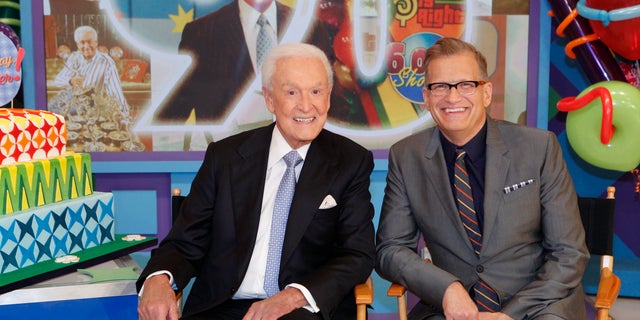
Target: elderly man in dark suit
(225,232)
(493,200)
(223,47)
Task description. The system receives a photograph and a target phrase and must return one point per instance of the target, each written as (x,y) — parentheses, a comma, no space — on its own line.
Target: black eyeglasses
(465,88)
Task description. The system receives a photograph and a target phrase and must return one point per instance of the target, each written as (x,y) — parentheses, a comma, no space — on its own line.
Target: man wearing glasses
(493,201)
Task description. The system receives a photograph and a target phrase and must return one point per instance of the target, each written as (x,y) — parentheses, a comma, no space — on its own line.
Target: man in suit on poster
(224,231)
(517,249)
(223,47)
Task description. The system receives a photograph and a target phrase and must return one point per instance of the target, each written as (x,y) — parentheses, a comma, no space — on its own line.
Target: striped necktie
(486,298)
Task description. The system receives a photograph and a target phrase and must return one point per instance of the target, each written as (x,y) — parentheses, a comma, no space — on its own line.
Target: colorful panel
(31,134)
(55,230)
(110,307)
(567,78)
(26,185)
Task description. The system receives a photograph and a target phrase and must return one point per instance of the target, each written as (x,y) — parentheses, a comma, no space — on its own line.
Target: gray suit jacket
(534,251)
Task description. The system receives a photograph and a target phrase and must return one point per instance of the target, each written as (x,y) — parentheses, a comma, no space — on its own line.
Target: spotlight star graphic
(181,19)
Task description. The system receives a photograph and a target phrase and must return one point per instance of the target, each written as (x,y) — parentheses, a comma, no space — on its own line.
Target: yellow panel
(399,110)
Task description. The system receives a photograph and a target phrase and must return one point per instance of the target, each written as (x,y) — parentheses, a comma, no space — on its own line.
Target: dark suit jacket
(221,68)
(328,251)
(533,251)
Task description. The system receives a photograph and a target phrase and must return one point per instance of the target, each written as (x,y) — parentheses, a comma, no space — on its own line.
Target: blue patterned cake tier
(46,232)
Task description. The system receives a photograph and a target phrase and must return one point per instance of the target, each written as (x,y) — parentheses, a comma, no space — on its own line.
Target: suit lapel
(241,67)
(247,185)
(497,166)
(437,174)
(318,173)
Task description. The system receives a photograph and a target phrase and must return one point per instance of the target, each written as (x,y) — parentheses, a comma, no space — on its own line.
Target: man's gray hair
(290,50)
(82,30)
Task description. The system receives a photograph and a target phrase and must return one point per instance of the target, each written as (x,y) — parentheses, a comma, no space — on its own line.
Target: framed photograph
(176,75)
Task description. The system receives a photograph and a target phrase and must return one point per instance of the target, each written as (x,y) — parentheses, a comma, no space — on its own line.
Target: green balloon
(622,153)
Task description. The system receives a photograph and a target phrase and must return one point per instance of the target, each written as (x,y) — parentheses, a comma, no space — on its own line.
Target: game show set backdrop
(173,102)
(376,49)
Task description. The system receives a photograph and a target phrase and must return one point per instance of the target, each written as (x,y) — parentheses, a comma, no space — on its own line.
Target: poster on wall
(174,75)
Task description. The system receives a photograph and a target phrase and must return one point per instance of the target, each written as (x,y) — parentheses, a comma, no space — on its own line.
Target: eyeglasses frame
(455,85)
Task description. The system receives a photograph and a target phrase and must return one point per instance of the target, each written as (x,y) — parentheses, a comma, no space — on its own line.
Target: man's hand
(77,81)
(158,301)
(458,305)
(277,306)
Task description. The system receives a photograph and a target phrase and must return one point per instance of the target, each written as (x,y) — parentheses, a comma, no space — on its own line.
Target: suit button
(479,268)
(233,290)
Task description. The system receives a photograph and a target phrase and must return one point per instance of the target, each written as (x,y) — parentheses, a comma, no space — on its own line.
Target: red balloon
(623,37)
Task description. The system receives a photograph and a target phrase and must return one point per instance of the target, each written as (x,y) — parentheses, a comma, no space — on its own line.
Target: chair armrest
(396,290)
(364,292)
(608,289)
(364,297)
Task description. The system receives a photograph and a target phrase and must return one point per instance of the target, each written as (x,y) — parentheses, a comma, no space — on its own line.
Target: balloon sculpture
(603,124)
(594,57)
(10,64)
(617,24)
(603,121)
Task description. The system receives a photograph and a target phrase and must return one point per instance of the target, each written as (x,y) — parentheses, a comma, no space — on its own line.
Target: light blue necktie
(264,42)
(279,222)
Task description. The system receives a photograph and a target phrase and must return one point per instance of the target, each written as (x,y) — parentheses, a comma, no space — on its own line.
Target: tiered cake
(48,208)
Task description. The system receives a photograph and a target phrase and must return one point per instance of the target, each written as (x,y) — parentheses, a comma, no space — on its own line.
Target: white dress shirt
(249,20)
(253,282)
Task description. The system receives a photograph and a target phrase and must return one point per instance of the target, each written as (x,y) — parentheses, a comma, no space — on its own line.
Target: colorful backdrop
(377,47)
(567,77)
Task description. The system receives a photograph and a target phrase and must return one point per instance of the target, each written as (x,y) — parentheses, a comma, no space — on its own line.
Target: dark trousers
(236,309)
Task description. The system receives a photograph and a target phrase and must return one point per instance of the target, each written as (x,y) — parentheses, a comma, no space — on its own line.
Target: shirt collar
(279,147)
(249,16)
(475,148)
(92,58)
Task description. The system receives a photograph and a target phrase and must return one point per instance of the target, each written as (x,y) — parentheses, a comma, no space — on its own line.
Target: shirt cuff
(157,273)
(311,303)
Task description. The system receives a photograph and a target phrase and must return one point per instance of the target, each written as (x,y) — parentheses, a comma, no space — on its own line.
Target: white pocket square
(328,202)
